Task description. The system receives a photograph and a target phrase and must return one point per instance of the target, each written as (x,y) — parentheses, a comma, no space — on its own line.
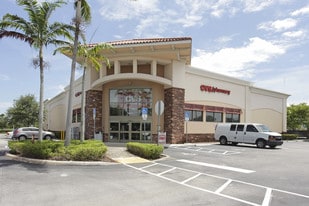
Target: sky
(265,42)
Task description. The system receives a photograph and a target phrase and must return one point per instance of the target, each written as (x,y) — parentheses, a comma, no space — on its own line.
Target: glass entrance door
(130,131)
(124,131)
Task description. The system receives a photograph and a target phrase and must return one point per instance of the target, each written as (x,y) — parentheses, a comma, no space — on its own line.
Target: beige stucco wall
(57,108)
(57,117)
(268,108)
(257,105)
(197,77)
(273,120)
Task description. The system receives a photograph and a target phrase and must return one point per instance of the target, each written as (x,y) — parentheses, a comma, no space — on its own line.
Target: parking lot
(201,174)
(243,173)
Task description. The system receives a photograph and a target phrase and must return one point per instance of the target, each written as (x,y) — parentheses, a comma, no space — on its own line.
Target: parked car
(249,133)
(9,135)
(24,133)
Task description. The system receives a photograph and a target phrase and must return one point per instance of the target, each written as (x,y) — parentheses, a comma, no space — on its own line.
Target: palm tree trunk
(41,94)
(73,66)
(82,131)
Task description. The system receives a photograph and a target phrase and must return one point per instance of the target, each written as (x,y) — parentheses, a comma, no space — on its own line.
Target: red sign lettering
(212,89)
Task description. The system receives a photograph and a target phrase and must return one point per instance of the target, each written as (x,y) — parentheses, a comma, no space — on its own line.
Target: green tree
(24,111)
(82,15)
(298,117)
(38,33)
(89,56)
(3,121)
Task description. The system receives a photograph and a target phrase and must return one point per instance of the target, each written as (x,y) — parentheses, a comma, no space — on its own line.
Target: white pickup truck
(250,133)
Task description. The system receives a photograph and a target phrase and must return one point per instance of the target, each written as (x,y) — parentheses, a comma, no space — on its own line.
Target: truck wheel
(260,143)
(223,140)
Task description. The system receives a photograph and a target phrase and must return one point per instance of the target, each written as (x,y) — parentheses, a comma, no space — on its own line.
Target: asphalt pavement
(191,174)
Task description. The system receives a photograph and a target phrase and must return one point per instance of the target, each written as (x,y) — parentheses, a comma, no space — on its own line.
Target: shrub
(148,151)
(15,147)
(289,136)
(91,150)
(86,151)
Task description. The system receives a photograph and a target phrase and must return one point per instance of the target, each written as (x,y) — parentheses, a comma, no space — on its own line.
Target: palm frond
(85,10)
(16,35)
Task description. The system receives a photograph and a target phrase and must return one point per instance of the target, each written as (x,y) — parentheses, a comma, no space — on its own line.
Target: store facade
(120,100)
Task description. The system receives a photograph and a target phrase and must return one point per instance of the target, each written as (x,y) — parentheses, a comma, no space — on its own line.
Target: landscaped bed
(89,150)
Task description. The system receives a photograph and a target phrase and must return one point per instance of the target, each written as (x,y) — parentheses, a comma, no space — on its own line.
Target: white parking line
(185,183)
(217,166)
(191,178)
(166,171)
(206,150)
(219,191)
(267,197)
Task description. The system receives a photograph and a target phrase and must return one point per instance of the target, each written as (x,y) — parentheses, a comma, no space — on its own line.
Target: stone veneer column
(93,100)
(174,115)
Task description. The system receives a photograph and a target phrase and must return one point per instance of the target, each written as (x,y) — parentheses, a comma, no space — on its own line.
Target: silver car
(24,133)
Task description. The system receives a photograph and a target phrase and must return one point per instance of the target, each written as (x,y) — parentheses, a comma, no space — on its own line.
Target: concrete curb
(55,162)
(120,160)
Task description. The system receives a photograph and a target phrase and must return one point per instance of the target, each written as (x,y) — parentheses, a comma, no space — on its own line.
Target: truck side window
(251,128)
(240,127)
(233,127)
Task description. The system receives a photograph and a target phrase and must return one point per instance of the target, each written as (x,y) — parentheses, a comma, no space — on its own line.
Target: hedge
(148,151)
(90,150)
(289,136)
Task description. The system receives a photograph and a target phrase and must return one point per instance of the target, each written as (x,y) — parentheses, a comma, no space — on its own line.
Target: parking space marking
(191,178)
(206,150)
(235,169)
(222,189)
(151,165)
(166,171)
(267,197)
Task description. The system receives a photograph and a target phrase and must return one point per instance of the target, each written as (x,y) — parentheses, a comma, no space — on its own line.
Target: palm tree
(89,56)
(83,14)
(38,32)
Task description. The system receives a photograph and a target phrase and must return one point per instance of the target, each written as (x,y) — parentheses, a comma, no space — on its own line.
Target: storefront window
(214,116)
(230,117)
(76,115)
(195,115)
(129,102)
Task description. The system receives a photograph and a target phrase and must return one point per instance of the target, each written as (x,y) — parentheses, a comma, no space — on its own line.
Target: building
(120,100)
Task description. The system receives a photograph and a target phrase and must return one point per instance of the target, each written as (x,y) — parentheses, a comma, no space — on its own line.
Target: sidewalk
(118,153)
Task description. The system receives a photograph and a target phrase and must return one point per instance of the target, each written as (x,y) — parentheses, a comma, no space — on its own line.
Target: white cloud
(294,34)
(224,39)
(190,12)
(238,62)
(157,16)
(302,11)
(278,25)
(123,10)
(256,5)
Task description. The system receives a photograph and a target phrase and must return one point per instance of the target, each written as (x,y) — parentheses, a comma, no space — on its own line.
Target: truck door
(231,135)
(240,132)
(250,134)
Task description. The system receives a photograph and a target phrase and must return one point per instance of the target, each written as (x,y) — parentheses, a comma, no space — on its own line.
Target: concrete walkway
(118,153)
